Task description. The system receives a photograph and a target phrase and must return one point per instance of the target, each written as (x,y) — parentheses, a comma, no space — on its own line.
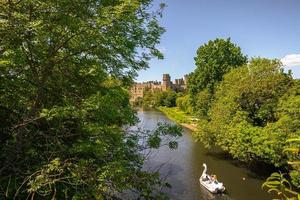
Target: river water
(182,167)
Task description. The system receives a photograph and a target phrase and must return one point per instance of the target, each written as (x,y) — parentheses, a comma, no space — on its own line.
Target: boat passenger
(213,178)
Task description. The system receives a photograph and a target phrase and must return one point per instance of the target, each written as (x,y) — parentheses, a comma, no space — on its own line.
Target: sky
(262,28)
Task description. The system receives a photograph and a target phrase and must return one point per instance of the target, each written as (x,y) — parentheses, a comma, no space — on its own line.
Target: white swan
(210,183)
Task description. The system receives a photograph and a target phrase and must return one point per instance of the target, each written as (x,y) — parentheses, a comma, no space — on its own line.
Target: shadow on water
(256,169)
(182,168)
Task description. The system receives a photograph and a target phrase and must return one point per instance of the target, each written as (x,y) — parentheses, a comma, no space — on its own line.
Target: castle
(138,89)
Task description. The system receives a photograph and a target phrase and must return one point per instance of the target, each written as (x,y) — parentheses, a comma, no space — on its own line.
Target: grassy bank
(180,117)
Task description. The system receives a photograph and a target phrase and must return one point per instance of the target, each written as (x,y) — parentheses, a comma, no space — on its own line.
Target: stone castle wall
(138,89)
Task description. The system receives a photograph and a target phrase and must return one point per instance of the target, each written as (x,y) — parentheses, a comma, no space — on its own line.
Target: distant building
(138,89)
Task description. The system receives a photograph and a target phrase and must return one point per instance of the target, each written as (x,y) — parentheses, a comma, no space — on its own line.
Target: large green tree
(253,113)
(64,69)
(213,60)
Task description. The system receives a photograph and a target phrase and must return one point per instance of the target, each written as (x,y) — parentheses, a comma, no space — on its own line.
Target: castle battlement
(138,89)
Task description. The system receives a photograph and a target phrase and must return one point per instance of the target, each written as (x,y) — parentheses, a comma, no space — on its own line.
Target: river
(183,166)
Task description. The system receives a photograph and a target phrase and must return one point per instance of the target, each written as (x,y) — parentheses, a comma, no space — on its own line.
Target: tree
(184,103)
(202,103)
(148,98)
(65,69)
(159,98)
(246,117)
(287,185)
(169,98)
(213,60)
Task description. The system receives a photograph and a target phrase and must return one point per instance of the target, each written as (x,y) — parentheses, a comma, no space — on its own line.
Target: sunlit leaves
(159,98)
(280,185)
(64,70)
(213,60)
(248,116)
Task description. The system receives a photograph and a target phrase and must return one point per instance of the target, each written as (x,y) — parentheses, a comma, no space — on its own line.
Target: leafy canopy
(248,115)
(64,69)
(213,60)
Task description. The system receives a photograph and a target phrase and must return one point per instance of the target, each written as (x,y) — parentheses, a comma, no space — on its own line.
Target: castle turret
(185,79)
(166,82)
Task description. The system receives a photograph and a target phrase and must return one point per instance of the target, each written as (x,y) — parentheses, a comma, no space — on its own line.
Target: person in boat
(213,178)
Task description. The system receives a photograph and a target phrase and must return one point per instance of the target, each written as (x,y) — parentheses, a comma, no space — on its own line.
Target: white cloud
(291,60)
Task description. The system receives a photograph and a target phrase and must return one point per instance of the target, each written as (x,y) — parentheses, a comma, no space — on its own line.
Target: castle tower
(185,79)
(166,82)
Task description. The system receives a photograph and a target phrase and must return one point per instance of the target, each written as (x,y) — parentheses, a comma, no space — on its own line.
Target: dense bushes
(159,98)
(246,114)
(184,103)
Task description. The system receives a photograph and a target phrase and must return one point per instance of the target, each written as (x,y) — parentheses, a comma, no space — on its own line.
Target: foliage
(159,98)
(149,98)
(249,114)
(184,103)
(156,139)
(168,98)
(280,185)
(202,103)
(284,188)
(293,151)
(213,60)
(64,69)
(138,102)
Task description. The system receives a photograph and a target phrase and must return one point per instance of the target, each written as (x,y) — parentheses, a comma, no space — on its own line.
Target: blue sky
(265,28)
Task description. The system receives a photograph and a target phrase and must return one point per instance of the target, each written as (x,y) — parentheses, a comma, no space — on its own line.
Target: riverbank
(182,167)
(260,168)
(180,117)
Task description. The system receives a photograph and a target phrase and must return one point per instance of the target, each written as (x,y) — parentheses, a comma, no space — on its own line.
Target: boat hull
(211,187)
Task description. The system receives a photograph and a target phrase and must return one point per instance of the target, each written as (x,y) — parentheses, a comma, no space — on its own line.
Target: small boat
(210,182)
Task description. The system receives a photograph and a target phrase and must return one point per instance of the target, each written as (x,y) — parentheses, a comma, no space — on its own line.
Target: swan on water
(210,182)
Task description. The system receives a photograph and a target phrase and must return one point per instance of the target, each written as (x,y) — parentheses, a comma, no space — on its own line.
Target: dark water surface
(182,168)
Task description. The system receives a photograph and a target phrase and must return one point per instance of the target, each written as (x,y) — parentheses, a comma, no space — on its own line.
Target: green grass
(177,115)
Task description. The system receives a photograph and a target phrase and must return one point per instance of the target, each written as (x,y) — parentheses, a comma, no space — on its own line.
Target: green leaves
(249,110)
(65,66)
(184,103)
(159,98)
(154,141)
(165,134)
(213,60)
(279,184)
(244,118)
